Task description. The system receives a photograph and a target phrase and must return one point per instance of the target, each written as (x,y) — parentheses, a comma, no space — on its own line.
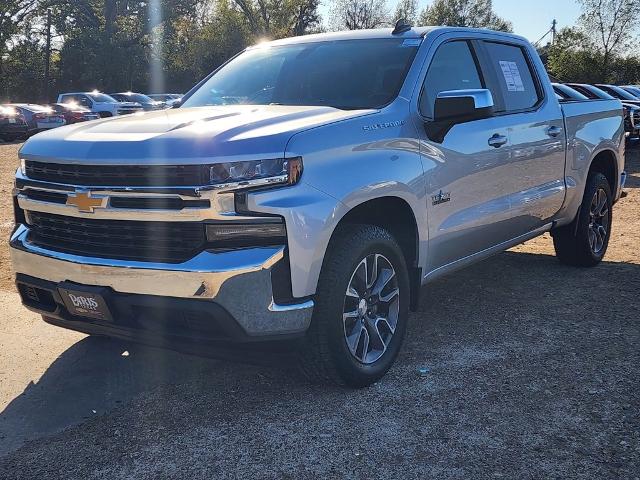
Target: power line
(552,31)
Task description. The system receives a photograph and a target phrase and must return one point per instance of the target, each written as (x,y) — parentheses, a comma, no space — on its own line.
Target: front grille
(142,203)
(114,175)
(170,242)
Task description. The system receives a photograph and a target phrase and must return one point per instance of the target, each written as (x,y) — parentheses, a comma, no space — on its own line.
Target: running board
(481,255)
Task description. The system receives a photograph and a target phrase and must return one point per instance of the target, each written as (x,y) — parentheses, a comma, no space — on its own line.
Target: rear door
(535,175)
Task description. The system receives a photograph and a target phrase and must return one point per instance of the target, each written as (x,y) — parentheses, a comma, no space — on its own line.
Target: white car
(100,103)
(169,99)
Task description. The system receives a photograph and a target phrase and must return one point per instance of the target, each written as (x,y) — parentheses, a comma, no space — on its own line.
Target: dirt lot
(532,372)
(8,164)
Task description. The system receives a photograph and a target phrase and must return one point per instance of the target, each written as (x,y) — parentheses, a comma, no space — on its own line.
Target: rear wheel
(361,310)
(584,242)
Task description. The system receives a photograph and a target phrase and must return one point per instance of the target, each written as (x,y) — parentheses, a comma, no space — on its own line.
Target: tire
(584,242)
(325,355)
(105,114)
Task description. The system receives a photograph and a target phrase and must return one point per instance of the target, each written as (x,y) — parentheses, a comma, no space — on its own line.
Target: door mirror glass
(458,106)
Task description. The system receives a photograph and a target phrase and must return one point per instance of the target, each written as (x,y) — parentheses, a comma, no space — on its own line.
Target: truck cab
(308,189)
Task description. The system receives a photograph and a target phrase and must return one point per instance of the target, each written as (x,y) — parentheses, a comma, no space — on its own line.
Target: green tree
(24,66)
(464,13)
(12,15)
(572,57)
(611,26)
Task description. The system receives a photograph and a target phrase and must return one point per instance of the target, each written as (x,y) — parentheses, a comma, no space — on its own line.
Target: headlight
(256,173)
(23,166)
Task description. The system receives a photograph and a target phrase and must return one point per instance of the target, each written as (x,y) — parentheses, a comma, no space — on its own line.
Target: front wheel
(584,242)
(361,309)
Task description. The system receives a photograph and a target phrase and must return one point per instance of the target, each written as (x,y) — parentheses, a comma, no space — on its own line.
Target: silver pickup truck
(307,189)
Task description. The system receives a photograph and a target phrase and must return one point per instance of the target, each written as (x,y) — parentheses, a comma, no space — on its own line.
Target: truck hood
(182,135)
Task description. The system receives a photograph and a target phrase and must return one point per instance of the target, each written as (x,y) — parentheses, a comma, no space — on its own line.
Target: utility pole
(47,58)
(553,31)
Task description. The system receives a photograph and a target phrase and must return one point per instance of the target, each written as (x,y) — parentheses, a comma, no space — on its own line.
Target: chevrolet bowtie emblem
(85,202)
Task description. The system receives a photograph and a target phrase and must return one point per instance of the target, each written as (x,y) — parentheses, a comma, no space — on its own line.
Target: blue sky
(530,18)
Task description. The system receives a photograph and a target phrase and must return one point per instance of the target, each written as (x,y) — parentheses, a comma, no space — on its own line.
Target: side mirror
(458,106)
(176,104)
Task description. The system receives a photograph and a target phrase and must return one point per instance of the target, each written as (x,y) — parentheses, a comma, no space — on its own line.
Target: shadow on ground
(532,372)
(632,164)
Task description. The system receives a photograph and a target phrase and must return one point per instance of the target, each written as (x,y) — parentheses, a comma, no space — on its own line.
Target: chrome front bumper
(239,281)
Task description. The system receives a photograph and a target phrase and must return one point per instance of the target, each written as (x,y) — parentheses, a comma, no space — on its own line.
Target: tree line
(144,45)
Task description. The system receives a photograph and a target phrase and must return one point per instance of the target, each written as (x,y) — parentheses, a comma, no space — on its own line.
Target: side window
(84,101)
(515,78)
(452,68)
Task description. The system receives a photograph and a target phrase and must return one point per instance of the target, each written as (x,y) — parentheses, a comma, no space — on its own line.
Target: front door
(467,204)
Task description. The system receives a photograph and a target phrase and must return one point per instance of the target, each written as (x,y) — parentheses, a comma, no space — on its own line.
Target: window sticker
(512,76)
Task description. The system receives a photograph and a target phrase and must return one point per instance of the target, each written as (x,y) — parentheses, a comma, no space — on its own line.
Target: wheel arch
(396,215)
(605,162)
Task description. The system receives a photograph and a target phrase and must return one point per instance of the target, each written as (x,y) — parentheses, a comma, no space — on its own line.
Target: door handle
(554,131)
(498,140)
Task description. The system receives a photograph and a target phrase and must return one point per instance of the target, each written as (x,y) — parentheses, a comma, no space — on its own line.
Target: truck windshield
(345,74)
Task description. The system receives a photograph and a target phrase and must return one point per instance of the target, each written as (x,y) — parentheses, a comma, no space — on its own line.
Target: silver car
(307,189)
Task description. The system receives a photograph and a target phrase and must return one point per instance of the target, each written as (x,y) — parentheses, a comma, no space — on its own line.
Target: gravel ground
(529,370)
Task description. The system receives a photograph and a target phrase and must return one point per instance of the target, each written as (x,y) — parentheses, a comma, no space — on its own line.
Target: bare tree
(406,10)
(280,18)
(610,25)
(358,14)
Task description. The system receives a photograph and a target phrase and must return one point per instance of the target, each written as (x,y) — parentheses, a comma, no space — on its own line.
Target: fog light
(246,234)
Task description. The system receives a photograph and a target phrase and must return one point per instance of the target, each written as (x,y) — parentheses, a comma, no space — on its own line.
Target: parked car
(567,94)
(633,90)
(631,109)
(590,91)
(100,103)
(73,113)
(13,125)
(304,192)
(169,99)
(38,117)
(147,103)
(619,93)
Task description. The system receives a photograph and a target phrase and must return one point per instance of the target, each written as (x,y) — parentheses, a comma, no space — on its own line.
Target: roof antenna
(401,26)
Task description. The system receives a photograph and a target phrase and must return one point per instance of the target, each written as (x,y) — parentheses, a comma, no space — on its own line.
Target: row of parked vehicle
(21,120)
(629,95)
